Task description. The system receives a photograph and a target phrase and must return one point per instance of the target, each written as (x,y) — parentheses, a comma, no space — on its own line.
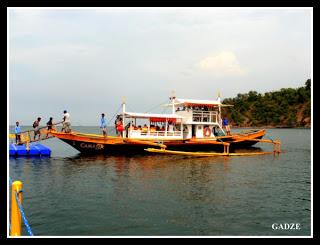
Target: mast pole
(173,101)
(123,117)
(219,111)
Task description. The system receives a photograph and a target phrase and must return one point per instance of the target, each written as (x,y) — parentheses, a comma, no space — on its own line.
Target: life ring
(206,131)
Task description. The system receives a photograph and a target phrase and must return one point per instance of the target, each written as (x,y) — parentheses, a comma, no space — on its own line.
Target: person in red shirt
(120,127)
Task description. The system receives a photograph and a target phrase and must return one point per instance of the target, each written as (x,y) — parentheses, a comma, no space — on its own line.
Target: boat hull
(116,145)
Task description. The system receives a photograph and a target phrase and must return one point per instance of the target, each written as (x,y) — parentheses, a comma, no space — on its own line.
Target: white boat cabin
(156,126)
(189,119)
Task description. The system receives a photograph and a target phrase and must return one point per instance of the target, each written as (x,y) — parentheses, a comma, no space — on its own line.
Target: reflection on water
(73,194)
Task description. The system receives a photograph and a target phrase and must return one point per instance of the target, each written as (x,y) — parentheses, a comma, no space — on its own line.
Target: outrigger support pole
(226,148)
(276,143)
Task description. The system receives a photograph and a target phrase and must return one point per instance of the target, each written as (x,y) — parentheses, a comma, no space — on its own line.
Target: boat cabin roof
(192,102)
(153,116)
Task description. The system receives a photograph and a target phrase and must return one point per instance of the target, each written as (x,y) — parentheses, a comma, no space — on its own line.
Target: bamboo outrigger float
(194,128)
(276,149)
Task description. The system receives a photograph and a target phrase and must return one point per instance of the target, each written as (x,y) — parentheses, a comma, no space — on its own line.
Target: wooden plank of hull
(110,149)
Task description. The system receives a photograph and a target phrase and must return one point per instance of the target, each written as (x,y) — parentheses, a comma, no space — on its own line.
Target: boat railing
(147,134)
(33,135)
(205,116)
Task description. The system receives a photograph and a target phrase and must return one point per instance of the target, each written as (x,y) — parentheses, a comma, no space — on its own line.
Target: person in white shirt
(66,124)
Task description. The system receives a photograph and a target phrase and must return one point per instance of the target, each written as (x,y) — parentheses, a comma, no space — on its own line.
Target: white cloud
(223,63)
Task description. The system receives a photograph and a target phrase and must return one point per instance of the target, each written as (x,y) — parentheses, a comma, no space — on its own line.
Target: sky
(86,60)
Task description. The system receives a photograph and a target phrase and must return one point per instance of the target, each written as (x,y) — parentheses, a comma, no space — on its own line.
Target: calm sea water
(70,195)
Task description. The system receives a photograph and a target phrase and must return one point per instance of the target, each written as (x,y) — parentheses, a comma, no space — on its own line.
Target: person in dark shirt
(49,125)
(36,125)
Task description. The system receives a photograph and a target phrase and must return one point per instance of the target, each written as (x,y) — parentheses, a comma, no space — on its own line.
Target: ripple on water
(70,194)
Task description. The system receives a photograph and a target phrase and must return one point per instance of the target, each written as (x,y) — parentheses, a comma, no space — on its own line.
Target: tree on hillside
(271,108)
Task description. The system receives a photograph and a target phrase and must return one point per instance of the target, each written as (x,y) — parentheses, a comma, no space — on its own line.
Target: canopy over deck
(154,117)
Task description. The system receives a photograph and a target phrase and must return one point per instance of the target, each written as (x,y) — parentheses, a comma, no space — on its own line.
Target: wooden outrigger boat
(193,128)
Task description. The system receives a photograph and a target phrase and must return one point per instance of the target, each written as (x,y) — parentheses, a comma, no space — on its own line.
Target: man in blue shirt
(17,132)
(227,126)
(103,125)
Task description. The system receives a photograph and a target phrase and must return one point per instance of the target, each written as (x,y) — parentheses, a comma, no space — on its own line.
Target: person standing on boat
(49,125)
(226,125)
(17,132)
(116,124)
(66,124)
(120,127)
(103,125)
(36,125)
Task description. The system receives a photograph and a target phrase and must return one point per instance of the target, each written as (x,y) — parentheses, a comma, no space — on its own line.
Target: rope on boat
(110,124)
(114,115)
(10,183)
(156,106)
(23,216)
(130,108)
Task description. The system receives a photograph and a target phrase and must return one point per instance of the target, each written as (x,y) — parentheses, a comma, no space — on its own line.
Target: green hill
(288,107)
